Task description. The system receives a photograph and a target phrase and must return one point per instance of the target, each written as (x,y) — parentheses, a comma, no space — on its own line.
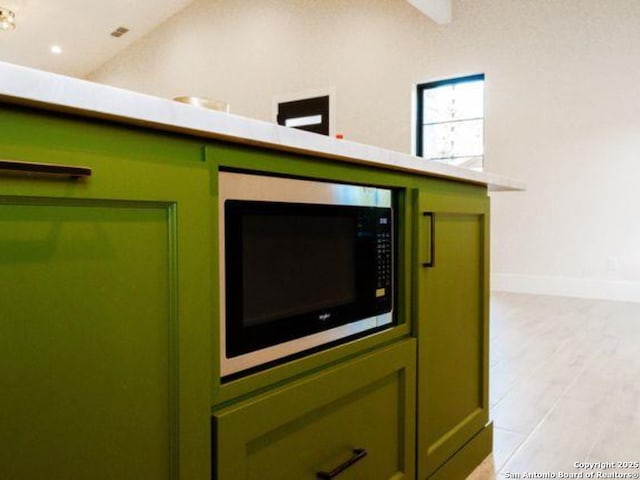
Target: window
(451,121)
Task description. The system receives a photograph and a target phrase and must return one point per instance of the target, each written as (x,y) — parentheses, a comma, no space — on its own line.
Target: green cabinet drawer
(315,424)
(104,320)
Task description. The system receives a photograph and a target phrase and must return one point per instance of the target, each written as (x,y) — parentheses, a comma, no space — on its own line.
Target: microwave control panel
(384,257)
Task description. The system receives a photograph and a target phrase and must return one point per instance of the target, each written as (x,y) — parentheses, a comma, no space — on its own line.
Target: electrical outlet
(613,265)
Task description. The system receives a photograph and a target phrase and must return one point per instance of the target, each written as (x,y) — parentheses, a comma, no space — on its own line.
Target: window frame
(420,88)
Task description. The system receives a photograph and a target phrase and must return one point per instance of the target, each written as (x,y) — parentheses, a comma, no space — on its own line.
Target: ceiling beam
(437,10)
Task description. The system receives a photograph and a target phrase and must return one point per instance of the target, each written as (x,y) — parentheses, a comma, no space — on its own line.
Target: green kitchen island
(109,318)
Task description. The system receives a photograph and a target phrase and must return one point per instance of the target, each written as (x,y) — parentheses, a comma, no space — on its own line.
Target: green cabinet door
(104,335)
(361,412)
(451,268)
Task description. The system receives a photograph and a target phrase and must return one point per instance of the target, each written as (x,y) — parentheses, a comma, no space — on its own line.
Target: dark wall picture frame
(309,114)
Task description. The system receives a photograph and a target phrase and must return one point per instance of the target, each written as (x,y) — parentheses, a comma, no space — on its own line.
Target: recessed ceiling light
(56,49)
(7,19)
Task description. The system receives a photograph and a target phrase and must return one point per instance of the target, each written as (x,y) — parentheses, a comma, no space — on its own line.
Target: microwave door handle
(432,240)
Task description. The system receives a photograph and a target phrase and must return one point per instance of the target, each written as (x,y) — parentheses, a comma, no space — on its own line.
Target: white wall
(248,52)
(562,106)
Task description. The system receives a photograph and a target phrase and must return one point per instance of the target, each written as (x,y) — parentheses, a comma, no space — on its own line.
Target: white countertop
(56,92)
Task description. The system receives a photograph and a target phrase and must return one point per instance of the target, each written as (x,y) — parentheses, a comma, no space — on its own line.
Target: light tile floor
(565,386)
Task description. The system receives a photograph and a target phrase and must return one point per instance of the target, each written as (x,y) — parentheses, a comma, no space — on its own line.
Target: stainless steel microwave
(304,265)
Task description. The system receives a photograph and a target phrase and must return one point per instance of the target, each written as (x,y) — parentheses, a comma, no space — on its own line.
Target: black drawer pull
(44,169)
(358,454)
(432,240)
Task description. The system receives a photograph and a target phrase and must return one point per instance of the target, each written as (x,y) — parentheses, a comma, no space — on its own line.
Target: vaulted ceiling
(82,29)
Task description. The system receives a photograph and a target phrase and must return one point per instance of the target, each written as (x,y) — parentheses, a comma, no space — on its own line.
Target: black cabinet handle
(432,240)
(44,169)
(358,454)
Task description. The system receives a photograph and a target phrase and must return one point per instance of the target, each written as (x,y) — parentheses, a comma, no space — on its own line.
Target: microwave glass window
(293,264)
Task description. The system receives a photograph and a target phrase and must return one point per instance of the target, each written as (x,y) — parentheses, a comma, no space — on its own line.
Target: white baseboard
(566,287)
